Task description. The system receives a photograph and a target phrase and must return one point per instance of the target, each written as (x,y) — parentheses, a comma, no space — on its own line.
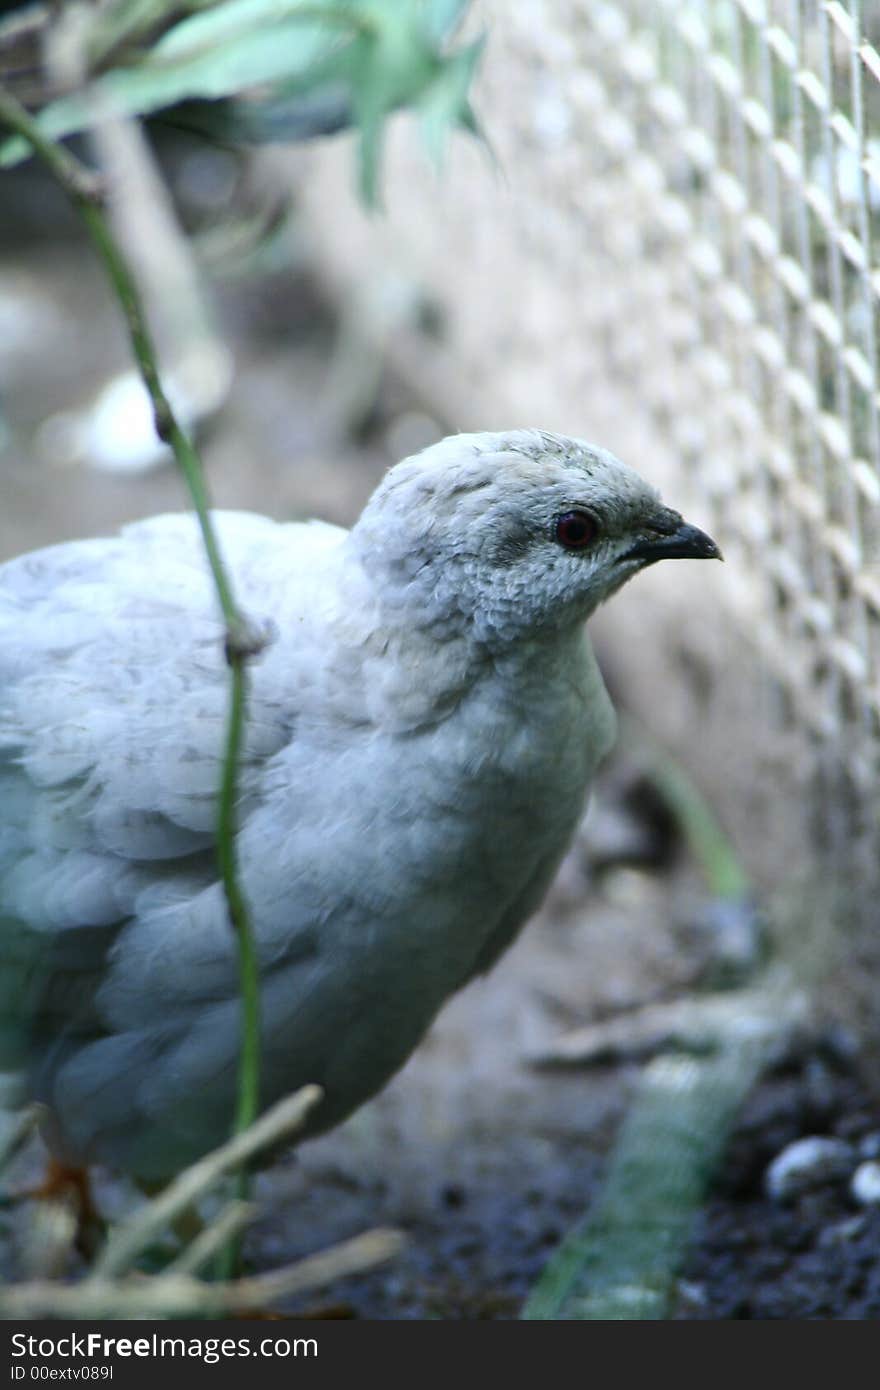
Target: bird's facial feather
(514,534)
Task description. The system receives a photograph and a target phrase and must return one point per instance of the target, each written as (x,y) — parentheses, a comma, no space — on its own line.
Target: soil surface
(813,1257)
(482,1160)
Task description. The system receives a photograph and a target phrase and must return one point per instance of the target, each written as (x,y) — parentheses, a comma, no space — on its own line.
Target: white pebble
(806,1163)
(865,1185)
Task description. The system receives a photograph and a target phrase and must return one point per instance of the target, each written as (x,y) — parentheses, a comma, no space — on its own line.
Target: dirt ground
(481,1159)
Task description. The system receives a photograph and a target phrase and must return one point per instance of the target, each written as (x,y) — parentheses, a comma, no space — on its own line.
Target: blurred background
(659,233)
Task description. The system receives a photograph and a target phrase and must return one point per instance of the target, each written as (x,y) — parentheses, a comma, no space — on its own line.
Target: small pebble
(805,1164)
(869,1145)
(865,1185)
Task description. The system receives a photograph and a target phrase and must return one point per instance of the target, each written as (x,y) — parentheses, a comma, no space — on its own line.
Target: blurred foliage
(258,70)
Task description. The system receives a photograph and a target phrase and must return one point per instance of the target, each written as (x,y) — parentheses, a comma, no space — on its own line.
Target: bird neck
(421,653)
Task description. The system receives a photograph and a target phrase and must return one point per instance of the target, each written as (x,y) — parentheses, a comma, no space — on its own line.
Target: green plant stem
(710,846)
(248,1102)
(81,184)
(86,191)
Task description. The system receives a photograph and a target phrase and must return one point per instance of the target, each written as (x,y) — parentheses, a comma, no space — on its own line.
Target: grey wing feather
(113,699)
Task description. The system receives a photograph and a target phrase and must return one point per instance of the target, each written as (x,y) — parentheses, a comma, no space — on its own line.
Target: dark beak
(684,543)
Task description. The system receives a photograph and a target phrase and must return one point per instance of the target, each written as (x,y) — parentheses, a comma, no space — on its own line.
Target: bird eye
(576,530)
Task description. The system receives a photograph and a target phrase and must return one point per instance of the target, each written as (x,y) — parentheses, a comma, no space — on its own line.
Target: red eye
(576,530)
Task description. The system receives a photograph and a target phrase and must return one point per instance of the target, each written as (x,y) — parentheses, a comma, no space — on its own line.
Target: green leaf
(445,104)
(236,20)
(442,17)
(316,65)
(118,22)
(389,68)
(236,45)
(284,117)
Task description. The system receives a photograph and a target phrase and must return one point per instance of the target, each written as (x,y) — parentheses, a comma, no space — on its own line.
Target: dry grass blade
(228,1225)
(129,1240)
(698,1026)
(181,1296)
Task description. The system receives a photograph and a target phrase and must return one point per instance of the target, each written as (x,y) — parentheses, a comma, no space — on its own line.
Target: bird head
(515,533)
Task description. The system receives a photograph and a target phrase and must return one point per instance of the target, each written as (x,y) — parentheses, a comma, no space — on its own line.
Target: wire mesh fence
(754,129)
(680,258)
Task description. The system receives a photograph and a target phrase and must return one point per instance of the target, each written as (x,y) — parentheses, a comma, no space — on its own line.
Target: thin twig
(224,1230)
(349,1257)
(81,184)
(180,1296)
(127,1241)
(694,1026)
(242,640)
